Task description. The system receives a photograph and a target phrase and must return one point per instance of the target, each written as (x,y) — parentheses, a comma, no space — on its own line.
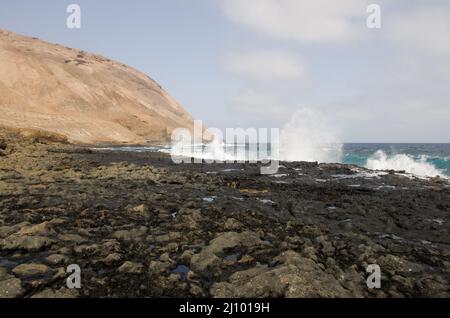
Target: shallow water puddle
(6,263)
(232,257)
(209,199)
(183,270)
(265,201)
(385,187)
(438,221)
(231,170)
(391,236)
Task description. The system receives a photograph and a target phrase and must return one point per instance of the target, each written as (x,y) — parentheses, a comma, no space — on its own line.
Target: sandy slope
(86,97)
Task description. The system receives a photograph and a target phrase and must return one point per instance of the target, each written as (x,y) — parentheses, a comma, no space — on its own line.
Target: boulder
(131,235)
(11,288)
(33,269)
(25,242)
(42,229)
(295,277)
(104,249)
(131,268)
(209,255)
(232,224)
(112,258)
(56,259)
(140,211)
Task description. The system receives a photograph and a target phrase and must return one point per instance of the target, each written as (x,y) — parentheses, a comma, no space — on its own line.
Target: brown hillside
(86,97)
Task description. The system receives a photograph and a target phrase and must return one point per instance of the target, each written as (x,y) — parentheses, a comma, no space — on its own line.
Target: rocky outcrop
(295,277)
(210,255)
(85,97)
(138,226)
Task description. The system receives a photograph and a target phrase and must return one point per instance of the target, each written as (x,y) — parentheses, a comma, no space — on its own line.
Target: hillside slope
(86,97)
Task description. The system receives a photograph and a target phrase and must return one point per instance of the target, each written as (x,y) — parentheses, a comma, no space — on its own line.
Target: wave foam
(214,150)
(309,136)
(402,162)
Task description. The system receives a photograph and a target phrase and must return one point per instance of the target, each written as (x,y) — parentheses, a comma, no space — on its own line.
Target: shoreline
(139,225)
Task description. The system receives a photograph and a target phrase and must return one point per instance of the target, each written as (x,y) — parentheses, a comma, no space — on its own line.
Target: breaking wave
(309,136)
(402,162)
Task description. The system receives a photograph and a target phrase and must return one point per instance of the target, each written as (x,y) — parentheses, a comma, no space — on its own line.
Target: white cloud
(421,37)
(266,65)
(395,91)
(318,21)
(425,28)
(260,105)
(391,117)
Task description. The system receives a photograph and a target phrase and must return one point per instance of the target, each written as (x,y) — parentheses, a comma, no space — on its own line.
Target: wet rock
(190,218)
(26,270)
(131,268)
(171,247)
(11,288)
(326,246)
(209,256)
(352,280)
(59,221)
(4,273)
(398,265)
(295,277)
(3,146)
(246,259)
(102,249)
(71,238)
(139,212)
(186,256)
(159,267)
(232,224)
(27,243)
(88,249)
(42,229)
(433,286)
(8,230)
(112,258)
(131,235)
(57,259)
(59,274)
(172,236)
(196,291)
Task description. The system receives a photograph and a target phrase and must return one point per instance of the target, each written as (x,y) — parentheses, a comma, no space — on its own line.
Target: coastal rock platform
(139,225)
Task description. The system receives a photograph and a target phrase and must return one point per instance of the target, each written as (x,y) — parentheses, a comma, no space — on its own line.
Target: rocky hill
(85,97)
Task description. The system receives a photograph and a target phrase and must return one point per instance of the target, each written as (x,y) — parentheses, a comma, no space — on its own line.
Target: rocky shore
(140,226)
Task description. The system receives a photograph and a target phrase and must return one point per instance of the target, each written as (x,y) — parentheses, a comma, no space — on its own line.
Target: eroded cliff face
(86,97)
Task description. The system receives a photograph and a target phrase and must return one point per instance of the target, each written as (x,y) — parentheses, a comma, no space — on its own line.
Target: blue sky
(253,63)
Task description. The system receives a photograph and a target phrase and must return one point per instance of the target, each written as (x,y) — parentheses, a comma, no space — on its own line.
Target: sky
(254,63)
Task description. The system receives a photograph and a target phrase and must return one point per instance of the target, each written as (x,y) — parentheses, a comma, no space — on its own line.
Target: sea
(420,159)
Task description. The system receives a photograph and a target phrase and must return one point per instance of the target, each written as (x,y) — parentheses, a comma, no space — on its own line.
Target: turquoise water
(436,155)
